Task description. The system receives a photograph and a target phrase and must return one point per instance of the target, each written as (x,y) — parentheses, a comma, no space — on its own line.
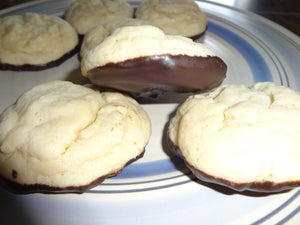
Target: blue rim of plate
(259,75)
(280,208)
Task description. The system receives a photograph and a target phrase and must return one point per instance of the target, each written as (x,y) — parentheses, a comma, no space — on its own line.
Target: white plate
(158,189)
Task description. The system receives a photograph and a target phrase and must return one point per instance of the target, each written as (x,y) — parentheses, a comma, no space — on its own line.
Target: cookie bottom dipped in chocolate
(155,76)
(34,41)
(17,188)
(39,67)
(244,138)
(198,36)
(255,186)
(74,137)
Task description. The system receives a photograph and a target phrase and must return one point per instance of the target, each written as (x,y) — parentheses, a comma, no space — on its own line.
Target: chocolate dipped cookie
(60,137)
(145,62)
(175,17)
(242,138)
(85,14)
(35,42)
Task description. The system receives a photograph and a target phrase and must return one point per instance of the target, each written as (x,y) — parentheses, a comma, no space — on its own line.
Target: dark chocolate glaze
(265,186)
(17,188)
(154,76)
(39,67)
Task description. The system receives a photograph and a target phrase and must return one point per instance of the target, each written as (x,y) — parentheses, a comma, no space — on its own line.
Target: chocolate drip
(157,75)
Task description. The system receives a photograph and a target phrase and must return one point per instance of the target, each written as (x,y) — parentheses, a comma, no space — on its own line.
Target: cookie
(85,14)
(60,137)
(97,34)
(145,62)
(35,42)
(175,17)
(242,138)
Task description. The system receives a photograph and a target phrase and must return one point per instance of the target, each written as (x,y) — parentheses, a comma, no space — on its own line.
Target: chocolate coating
(265,186)
(197,36)
(39,67)
(42,188)
(154,76)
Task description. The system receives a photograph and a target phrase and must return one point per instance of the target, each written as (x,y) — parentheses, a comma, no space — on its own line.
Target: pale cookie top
(85,14)
(61,134)
(241,134)
(139,41)
(35,39)
(176,17)
(97,34)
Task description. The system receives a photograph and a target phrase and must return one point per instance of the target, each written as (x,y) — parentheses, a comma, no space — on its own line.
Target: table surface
(284,12)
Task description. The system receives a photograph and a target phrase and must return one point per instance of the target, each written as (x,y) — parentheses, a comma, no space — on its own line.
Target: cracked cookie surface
(35,41)
(63,135)
(244,138)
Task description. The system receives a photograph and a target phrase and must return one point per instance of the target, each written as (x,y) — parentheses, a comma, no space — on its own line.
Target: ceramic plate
(158,189)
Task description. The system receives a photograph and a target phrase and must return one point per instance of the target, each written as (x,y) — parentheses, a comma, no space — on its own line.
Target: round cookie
(97,34)
(35,42)
(85,14)
(175,17)
(145,62)
(242,138)
(61,137)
